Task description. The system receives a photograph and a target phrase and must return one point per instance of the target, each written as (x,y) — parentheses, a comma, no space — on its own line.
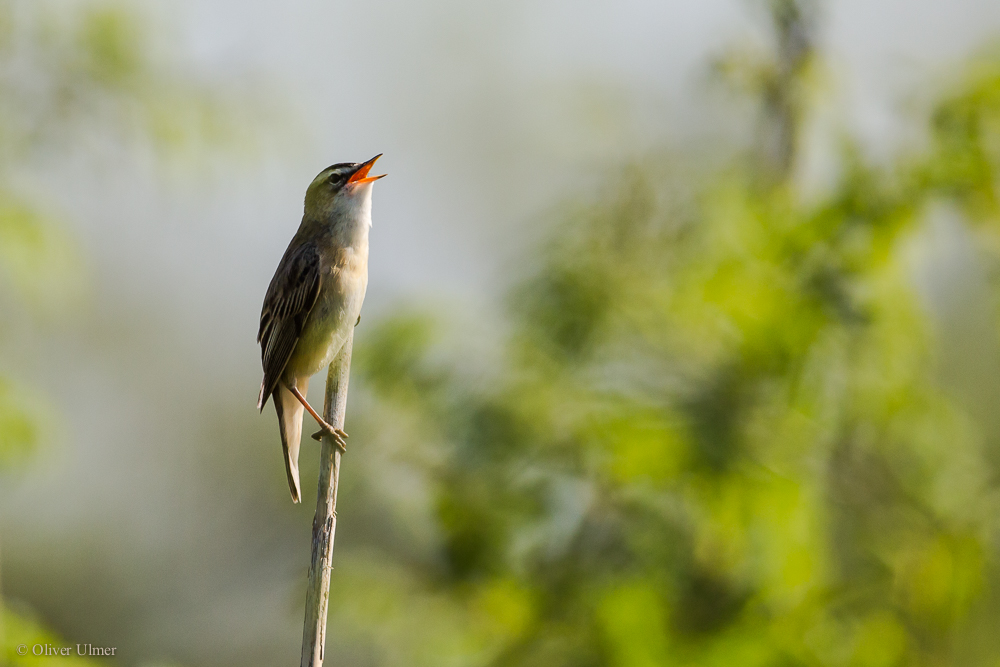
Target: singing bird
(314,299)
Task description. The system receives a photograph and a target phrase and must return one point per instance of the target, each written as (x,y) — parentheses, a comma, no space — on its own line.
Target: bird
(314,299)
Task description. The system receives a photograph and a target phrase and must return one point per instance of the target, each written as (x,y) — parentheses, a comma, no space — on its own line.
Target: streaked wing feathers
(290,297)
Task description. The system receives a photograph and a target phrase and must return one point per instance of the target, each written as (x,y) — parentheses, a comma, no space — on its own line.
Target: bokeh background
(680,346)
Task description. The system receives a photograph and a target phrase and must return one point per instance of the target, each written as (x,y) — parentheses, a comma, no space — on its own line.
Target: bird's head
(346,184)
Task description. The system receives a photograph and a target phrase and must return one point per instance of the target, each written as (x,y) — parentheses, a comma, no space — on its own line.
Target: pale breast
(332,317)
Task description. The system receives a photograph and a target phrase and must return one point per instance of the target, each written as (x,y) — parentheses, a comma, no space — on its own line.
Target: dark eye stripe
(340,172)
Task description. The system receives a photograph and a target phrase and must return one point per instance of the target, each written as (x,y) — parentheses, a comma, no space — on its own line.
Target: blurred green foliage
(718,435)
(19,428)
(22,632)
(71,74)
(64,76)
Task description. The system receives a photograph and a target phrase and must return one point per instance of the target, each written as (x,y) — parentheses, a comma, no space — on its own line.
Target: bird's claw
(338,436)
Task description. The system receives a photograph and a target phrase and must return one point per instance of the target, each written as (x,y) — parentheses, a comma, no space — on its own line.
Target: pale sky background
(489,113)
(478,105)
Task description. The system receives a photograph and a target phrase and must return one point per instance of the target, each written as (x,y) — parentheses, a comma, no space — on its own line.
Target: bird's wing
(290,297)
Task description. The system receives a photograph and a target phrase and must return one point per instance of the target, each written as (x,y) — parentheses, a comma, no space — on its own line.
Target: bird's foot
(338,435)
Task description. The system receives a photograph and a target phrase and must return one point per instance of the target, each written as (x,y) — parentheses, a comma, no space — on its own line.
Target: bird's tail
(290,425)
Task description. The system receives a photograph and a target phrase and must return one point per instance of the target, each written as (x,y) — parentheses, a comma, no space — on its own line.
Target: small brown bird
(314,299)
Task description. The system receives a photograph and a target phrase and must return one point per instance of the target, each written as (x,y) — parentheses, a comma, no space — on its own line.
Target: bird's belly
(333,316)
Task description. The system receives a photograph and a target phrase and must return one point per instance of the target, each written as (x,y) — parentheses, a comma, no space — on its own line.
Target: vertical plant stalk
(325,520)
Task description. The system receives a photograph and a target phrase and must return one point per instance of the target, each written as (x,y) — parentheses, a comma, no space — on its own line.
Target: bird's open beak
(361,175)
